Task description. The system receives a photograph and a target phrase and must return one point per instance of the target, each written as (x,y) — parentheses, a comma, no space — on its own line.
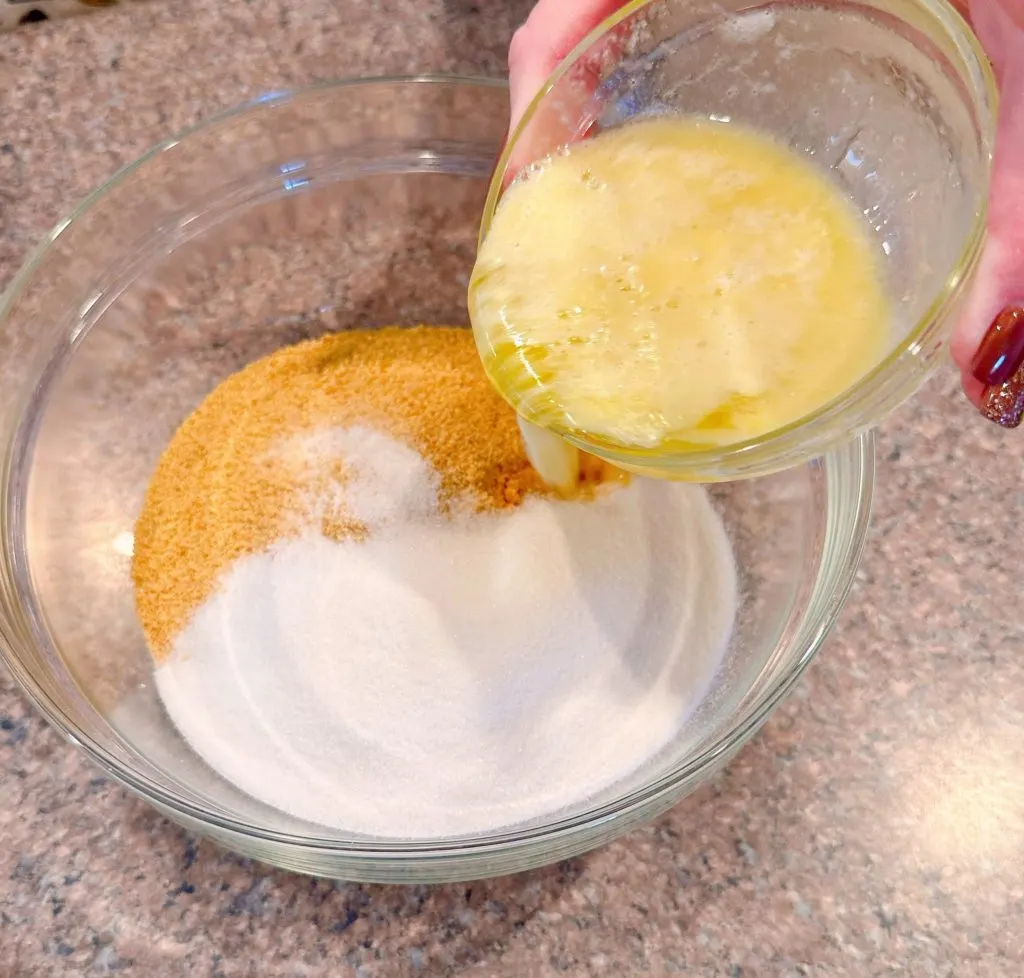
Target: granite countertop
(874,827)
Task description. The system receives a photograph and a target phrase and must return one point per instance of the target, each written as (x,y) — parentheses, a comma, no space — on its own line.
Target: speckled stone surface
(876,825)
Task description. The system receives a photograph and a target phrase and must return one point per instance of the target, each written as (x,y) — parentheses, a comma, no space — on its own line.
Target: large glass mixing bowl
(345,205)
(893,99)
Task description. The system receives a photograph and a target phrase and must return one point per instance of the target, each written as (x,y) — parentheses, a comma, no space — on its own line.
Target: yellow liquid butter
(676,284)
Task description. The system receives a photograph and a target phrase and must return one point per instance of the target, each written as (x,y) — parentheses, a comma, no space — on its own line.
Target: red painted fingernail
(1001,352)
(1004,403)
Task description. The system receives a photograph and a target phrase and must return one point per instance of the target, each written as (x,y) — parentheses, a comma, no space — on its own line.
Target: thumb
(988,343)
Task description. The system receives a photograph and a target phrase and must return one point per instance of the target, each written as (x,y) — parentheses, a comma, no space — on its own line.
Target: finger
(988,343)
(553,29)
(994,21)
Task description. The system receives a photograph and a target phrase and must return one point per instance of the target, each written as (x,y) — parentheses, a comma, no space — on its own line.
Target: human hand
(988,342)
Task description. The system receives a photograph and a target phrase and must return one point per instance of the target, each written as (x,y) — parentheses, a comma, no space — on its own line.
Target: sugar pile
(454,671)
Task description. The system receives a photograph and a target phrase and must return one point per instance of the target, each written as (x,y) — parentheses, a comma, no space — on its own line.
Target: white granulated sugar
(385,480)
(452,676)
(389,481)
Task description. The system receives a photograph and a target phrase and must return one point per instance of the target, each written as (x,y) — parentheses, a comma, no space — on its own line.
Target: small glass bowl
(346,205)
(894,98)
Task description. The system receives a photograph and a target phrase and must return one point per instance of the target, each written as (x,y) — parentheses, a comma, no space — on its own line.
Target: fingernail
(1004,403)
(1001,352)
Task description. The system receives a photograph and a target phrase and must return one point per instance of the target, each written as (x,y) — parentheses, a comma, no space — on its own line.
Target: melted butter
(676,284)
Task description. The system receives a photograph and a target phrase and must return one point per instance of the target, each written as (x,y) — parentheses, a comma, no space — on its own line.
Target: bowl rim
(850,474)
(272,98)
(785,439)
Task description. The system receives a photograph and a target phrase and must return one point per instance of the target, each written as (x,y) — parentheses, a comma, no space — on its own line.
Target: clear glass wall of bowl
(346,205)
